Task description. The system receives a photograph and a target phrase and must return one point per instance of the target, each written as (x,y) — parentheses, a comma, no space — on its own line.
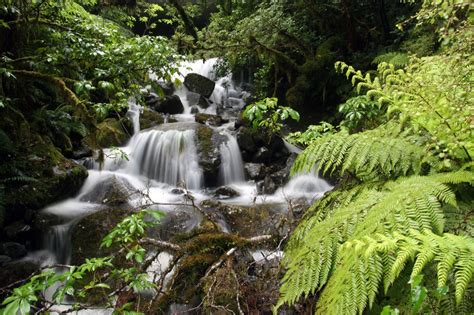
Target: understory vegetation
(378,94)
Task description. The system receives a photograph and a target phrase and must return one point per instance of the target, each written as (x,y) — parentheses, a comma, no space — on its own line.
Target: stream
(163,161)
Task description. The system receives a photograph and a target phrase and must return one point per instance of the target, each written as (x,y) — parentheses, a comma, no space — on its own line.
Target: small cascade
(232,166)
(168,156)
(134,114)
(58,241)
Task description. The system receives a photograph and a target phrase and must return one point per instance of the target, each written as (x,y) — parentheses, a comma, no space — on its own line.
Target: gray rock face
(208,143)
(13,250)
(199,84)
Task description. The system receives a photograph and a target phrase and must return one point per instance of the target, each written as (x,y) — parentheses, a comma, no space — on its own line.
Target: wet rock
(150,118)
(281,176)
(82,152)
(208,143)
(166,87)
(89,232)
(263,155)
(43,221)
(199,84)
(13,250)
(246,141)
(176,222)
(167,105)
(194,109)
(212,120)
(226,191)
(195,99)
(254,171)
(266,186)
(249,221)
(112,191)
(177,191)
(17,230)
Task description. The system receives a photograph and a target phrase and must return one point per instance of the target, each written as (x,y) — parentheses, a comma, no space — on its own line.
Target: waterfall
(166,156)
(58,241)
(232,167)
(134,114)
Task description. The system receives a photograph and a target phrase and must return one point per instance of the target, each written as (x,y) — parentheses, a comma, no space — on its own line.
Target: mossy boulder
(208,143)
(89,232)
(49,177)
(149,118)
(110,132)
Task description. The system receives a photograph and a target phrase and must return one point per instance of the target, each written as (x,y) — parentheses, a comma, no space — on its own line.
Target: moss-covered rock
(49,177)
(111,132)
(89,232)
(150,118)
(208,143)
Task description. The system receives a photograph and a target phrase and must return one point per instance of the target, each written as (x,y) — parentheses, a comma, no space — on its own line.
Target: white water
(232,166)
(166,156)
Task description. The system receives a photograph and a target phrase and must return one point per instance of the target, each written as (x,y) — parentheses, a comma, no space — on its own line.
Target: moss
(111,132)
(149,119)
(204,135)
(90,231)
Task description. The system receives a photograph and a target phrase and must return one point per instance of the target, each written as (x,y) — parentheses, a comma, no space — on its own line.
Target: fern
(318,247)
(363,261)
(379,153)
(398,59)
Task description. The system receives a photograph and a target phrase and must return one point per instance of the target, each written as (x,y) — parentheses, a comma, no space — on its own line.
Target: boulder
(267,186)
(89,232)
(246,142)
(281,176)
(168,105)
(43,221)
(226,191)
(111,132)
(195,99)
(112,191)
(166,87)
(82,152)
(149,118)
(194,109)
(13,250)
(199,84)
(255,171)
(208,143)
(208,119)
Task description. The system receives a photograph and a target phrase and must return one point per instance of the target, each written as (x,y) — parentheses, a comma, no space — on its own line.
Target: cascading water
(166,156)
(232,166)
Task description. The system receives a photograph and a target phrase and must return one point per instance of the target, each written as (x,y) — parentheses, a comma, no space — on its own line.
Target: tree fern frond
(374,152)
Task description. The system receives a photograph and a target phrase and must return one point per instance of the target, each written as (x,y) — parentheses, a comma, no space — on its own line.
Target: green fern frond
(375,153)
(424,247)
(361,218)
